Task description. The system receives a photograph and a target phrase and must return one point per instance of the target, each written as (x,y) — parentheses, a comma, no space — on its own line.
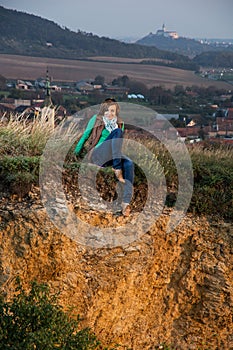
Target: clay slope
(171,288)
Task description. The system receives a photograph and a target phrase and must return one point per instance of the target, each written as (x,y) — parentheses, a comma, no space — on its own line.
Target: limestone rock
(174,288)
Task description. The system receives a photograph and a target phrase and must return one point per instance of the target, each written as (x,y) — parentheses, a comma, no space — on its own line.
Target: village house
(24,85)
(84,86)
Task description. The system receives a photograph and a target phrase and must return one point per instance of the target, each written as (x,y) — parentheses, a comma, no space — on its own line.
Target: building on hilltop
(167,33)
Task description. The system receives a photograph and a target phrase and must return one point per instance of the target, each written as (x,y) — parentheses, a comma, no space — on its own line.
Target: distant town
(197,113)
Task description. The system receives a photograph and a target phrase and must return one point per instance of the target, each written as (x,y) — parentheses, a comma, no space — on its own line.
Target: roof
(7,107)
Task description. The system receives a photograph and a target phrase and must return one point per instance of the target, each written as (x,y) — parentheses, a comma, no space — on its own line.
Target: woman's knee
(128,163)
(128,170)
(117,132)
(128,166)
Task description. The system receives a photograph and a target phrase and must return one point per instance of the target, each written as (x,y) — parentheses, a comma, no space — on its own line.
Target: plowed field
(31,68)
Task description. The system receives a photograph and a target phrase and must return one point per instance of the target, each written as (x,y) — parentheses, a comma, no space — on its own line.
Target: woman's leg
(116,138)
(128,174)
(109,152)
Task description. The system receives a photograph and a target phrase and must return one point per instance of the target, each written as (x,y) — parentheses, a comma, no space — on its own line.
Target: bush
(213,191)
(34,320)
(17,174)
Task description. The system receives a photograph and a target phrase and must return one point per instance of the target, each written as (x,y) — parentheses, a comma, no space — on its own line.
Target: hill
(185,46)
(208,54)
(25,34)
(141,286)
(181,45)
(30,35)
(215,59)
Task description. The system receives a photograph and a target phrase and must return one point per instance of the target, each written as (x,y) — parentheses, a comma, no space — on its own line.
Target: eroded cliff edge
(172,288)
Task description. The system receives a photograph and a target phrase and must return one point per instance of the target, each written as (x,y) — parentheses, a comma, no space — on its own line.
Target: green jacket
(88,131)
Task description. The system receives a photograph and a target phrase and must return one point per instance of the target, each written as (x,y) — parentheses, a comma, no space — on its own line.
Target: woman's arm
(85,135)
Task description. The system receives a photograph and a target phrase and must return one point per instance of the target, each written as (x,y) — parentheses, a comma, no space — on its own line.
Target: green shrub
(213,190)
(34,320)
(17,174)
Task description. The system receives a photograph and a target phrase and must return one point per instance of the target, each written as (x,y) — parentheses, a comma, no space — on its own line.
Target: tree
(160,96)
(34,320)
(121,81)
(137,87)
(99,80)
(16,93)
(179,90)
(202,133)
(2,82)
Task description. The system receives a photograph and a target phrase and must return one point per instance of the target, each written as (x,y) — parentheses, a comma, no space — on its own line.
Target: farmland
(30,68)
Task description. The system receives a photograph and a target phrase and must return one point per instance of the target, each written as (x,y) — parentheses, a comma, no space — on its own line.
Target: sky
(120,19)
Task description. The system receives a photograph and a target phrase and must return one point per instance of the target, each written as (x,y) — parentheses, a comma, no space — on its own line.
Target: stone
(174,289)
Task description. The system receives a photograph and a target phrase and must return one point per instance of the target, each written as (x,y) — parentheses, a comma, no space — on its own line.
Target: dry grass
(22,137)
(18,136)
(217,152)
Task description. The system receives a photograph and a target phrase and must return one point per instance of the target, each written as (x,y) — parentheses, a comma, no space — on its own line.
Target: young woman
(104,132)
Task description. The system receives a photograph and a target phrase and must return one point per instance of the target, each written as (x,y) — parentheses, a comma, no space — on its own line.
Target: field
(31,68)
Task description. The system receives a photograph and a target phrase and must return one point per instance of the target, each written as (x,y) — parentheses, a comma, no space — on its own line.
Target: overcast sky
(135,18)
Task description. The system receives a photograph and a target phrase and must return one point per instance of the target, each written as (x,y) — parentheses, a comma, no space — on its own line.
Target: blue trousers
(109,154)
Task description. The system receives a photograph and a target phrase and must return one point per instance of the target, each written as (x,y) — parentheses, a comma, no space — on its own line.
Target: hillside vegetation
(215,59)
(34,320)
(184,46)
(25,34)
(162,288)
(22,144)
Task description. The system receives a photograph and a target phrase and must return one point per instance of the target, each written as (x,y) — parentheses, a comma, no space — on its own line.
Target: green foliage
(17,174)
(213,190)
(34,320)
(17,164)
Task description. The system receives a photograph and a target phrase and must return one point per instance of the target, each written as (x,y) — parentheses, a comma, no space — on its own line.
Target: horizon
(206,21)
